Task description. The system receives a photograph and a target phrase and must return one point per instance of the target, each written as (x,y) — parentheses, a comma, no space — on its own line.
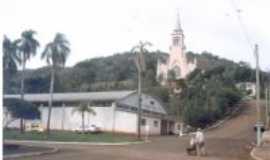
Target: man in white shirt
(200,142)
(191,150)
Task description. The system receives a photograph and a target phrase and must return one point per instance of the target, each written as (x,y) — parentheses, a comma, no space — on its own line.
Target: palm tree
(82,109)
(10,56)
(10,59)
(27,46)
(55,53)
(140,50)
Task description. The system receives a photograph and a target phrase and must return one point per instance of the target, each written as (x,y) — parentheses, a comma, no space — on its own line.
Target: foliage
(21,109)
(10,62)
(55,54)
(67,136)
(28,45)
(57,51)
(209,96)
(82,109)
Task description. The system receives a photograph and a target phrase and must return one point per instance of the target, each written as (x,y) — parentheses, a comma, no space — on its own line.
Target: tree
(28,46)
(55,54)
(140,50)
(82,109)
(21,109)
(10,60)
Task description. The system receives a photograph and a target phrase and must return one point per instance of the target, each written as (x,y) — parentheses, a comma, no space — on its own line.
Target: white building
(116,111)
(177,60)
(249,87)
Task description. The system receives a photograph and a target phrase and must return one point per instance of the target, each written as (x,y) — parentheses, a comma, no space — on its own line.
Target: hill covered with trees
(207,94)
(116,72)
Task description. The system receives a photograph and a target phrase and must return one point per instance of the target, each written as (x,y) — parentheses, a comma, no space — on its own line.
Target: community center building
(116,111)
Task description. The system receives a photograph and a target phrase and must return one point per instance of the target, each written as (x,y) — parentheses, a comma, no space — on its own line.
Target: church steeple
(178,35)
(178,22)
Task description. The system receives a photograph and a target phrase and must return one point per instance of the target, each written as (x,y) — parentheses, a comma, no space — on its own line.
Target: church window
(175,41)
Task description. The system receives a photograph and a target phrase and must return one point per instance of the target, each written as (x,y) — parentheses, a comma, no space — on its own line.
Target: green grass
(67,136)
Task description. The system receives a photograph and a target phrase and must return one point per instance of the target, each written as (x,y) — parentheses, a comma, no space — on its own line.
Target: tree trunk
(83,127)
(51,99)
(22,90)
(21,125)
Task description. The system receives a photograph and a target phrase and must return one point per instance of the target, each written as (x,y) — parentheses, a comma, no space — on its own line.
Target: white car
(35,127)
(88,129)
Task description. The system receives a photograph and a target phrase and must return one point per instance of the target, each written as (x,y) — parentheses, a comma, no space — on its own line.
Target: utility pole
(141,67)
(267,107)
(140,103)
(259,123)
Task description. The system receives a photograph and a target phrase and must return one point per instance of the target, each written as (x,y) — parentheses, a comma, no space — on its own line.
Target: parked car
(36,127)
(88,129)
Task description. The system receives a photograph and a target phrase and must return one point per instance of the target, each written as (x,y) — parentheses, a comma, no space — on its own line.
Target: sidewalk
(262,153)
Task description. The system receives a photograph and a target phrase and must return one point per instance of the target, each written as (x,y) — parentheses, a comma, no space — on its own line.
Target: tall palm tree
(82,109)
(27,46)
(55,54)
(140,50)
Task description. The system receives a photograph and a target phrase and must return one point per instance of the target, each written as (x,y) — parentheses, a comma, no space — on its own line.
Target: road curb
(252,154)
(53,150)
(75,143)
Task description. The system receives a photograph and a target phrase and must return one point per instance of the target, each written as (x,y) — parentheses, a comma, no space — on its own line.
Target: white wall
(154,130)
(106,118)
(65,118)
(125,122)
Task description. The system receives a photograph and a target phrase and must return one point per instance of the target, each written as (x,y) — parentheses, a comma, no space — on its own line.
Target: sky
(98,28)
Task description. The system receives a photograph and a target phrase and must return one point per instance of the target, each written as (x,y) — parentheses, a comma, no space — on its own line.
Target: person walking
(200,142)
(191,150)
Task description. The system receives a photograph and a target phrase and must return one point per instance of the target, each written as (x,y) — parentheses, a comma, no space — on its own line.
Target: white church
(177,60)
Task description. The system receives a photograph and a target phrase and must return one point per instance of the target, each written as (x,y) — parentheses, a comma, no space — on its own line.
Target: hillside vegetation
(116,72)
(207,94)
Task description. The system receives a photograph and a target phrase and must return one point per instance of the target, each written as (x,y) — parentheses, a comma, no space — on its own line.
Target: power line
(242,24)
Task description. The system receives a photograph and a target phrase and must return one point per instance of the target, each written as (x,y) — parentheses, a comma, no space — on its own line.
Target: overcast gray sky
(102,27)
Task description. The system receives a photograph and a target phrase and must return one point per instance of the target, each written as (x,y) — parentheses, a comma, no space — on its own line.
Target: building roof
(75,96)
(128,99)
(149,103)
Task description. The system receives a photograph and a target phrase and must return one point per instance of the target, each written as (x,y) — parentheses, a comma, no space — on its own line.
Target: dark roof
(149,103)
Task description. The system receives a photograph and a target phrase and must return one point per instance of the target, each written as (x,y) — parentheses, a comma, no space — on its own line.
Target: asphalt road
(231,141)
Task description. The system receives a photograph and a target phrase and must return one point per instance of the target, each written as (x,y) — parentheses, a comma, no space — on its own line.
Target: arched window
(176,41)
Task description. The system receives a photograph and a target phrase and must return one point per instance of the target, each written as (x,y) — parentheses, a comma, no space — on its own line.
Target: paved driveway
(229,142)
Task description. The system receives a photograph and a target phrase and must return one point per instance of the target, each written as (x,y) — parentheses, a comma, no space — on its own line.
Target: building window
(175,41)
(178,127)
(156,123)
(143,122)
